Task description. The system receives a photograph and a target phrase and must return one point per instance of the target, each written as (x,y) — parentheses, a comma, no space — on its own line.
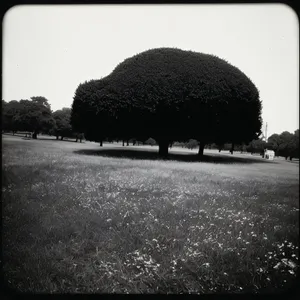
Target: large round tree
(171,94)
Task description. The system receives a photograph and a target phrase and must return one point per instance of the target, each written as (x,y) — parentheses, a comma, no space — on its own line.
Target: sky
(49,50)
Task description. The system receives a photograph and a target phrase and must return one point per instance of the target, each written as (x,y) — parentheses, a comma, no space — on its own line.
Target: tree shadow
(184,157)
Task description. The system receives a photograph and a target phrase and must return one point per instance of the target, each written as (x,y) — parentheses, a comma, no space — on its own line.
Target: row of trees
(285,144)
(35,116)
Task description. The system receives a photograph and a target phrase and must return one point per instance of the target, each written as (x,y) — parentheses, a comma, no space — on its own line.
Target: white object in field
(269,154)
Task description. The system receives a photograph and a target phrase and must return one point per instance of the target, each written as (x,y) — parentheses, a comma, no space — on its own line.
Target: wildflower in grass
(288,263)
(277,265)
(260,270)
(206,265)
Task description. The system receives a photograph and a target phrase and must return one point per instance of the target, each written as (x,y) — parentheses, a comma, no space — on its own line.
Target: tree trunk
(232,148)
(76,139)
(291,158)
(134,142)
(123,143)
(127,143)
(163,147)
(62,137)
(57,137)
(13,132)
(80,140)
(201,149)
(101,143)
(34,135)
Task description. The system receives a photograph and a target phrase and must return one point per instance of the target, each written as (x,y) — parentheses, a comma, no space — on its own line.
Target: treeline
(285,144)
(35,116)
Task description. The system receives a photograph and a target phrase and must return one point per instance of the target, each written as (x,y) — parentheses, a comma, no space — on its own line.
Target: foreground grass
(79,223)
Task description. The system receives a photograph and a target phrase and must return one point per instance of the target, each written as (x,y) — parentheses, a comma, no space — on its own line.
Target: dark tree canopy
(9,112)
(92,113)
(42,101)
(285,144)
(62,122)
(171,94)
(29,115)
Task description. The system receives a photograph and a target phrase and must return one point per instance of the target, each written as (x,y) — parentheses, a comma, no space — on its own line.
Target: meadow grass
(84,223)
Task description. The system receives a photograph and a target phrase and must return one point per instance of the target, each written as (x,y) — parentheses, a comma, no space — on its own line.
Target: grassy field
(78,218)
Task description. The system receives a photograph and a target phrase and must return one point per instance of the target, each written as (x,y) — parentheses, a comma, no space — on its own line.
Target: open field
(78,218)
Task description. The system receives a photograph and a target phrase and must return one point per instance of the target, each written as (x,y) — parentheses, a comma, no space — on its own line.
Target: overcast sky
(49,50)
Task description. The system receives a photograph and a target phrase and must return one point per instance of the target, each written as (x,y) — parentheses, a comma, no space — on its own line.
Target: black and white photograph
(150,148)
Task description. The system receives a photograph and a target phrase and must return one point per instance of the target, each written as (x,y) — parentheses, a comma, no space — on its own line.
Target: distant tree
(150,141)
(284,148)
(286,144)
(294,145)
(42,101)
(34,116)
(133,141)
(79,136)
(280,143)
(179,144)
(192,144)
(220,146)
(241,147)
(256,146)
(275,141)
(62,119)
(9,112)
